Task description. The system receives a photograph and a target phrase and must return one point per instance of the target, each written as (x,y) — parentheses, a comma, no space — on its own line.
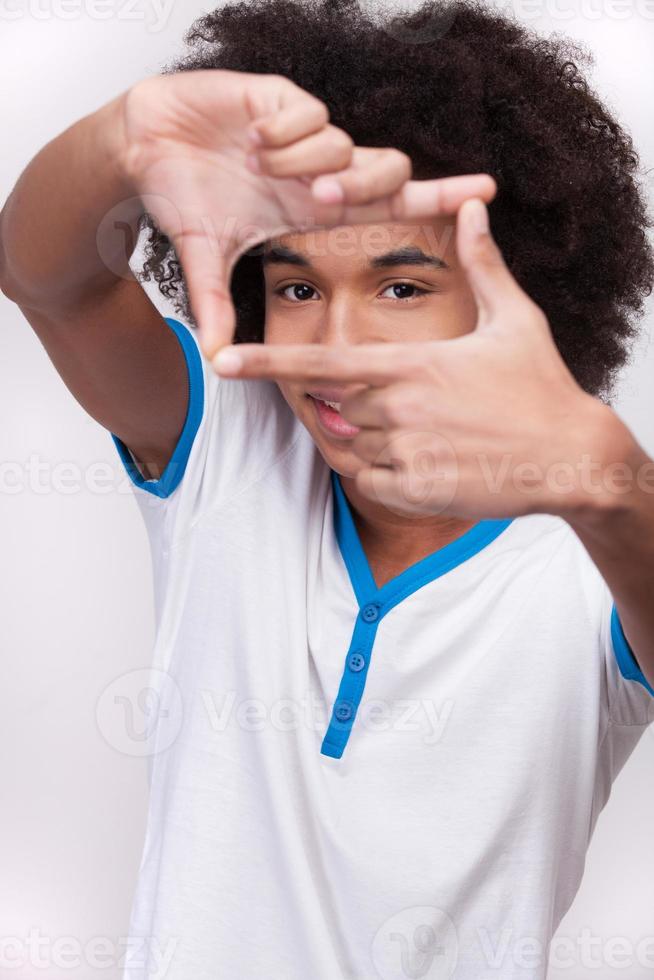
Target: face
(360,284)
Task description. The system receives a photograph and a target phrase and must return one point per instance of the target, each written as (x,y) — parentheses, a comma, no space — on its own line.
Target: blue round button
(356,662)
(370,612)
(343,711)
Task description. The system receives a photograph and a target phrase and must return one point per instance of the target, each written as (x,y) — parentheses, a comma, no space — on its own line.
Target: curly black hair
(461,89)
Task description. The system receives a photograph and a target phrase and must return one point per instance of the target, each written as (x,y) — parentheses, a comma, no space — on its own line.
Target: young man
(403,555)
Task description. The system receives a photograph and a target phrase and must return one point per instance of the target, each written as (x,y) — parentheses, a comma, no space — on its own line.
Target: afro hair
(460,88)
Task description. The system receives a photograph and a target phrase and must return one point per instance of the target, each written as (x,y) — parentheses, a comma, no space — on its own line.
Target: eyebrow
(409,255)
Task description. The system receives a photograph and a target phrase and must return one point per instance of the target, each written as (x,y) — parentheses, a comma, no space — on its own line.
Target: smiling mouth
(330,419)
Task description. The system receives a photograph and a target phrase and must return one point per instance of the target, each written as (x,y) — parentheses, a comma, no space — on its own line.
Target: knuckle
(536,314)
(402,161)
(275,163)
(342,158)
(359,185)
(487,252)
(362,445)
(522,308)
(341,139)
(413,410)
(319,108)
(395,452)
(347,139)
(266,158)
(396,408)
(270,129)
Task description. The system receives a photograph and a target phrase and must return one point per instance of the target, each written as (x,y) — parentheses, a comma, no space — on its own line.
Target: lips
(328,394)
(331,404)
(330,419)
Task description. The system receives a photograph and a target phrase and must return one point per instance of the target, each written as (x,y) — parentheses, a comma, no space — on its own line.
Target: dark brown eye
(300,291)
(404,287)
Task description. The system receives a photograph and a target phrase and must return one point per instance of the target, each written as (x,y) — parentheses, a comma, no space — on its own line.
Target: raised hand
(487,424)
(225,160)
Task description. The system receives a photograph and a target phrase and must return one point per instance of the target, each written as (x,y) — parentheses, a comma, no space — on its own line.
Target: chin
(338,456)
(337,453)
(341,459)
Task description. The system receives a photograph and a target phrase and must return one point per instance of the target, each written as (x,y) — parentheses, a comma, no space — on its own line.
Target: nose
(343,323)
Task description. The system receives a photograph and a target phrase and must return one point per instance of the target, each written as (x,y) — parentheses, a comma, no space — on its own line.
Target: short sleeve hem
(174,471)
(627,662)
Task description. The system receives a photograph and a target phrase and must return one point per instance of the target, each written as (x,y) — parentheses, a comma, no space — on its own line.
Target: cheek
(280,329)
(286,392)
(456,315)
(293,395)
(297,324)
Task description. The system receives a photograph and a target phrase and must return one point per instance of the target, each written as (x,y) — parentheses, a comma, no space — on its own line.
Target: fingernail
(227,362)
(479,216)
(328,190)
(255,136)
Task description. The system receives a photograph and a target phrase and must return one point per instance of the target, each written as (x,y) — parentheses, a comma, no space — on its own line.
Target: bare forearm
(49,255)
(617,529)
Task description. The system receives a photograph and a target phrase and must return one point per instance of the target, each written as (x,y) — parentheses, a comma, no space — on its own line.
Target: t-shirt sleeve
(174,471)
(234,430)
(630,695)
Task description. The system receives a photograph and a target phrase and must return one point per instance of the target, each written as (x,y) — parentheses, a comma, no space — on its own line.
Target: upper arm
(624,654)
(124,365)
(630,695)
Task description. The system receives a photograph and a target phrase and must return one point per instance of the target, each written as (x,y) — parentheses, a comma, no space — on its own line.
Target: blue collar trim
(420,573)
(374,603)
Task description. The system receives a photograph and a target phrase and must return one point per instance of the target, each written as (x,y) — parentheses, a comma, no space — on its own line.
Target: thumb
(208,278)
(490,280)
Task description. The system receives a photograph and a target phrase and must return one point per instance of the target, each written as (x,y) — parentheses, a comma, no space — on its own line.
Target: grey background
(75,586)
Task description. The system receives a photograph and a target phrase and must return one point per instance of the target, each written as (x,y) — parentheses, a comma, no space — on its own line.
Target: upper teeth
(336,405)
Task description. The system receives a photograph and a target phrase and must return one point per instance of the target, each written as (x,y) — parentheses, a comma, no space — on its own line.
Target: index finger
(419,199)
(374,364)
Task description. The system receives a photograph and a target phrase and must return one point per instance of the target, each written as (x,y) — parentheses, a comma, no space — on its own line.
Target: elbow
(7,287)
(10,284)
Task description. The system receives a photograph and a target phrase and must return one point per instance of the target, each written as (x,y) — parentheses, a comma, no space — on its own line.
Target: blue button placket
(352,684)
(374,603)
(358,656)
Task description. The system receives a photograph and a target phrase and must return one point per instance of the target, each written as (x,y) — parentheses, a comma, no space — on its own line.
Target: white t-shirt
(352,783)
